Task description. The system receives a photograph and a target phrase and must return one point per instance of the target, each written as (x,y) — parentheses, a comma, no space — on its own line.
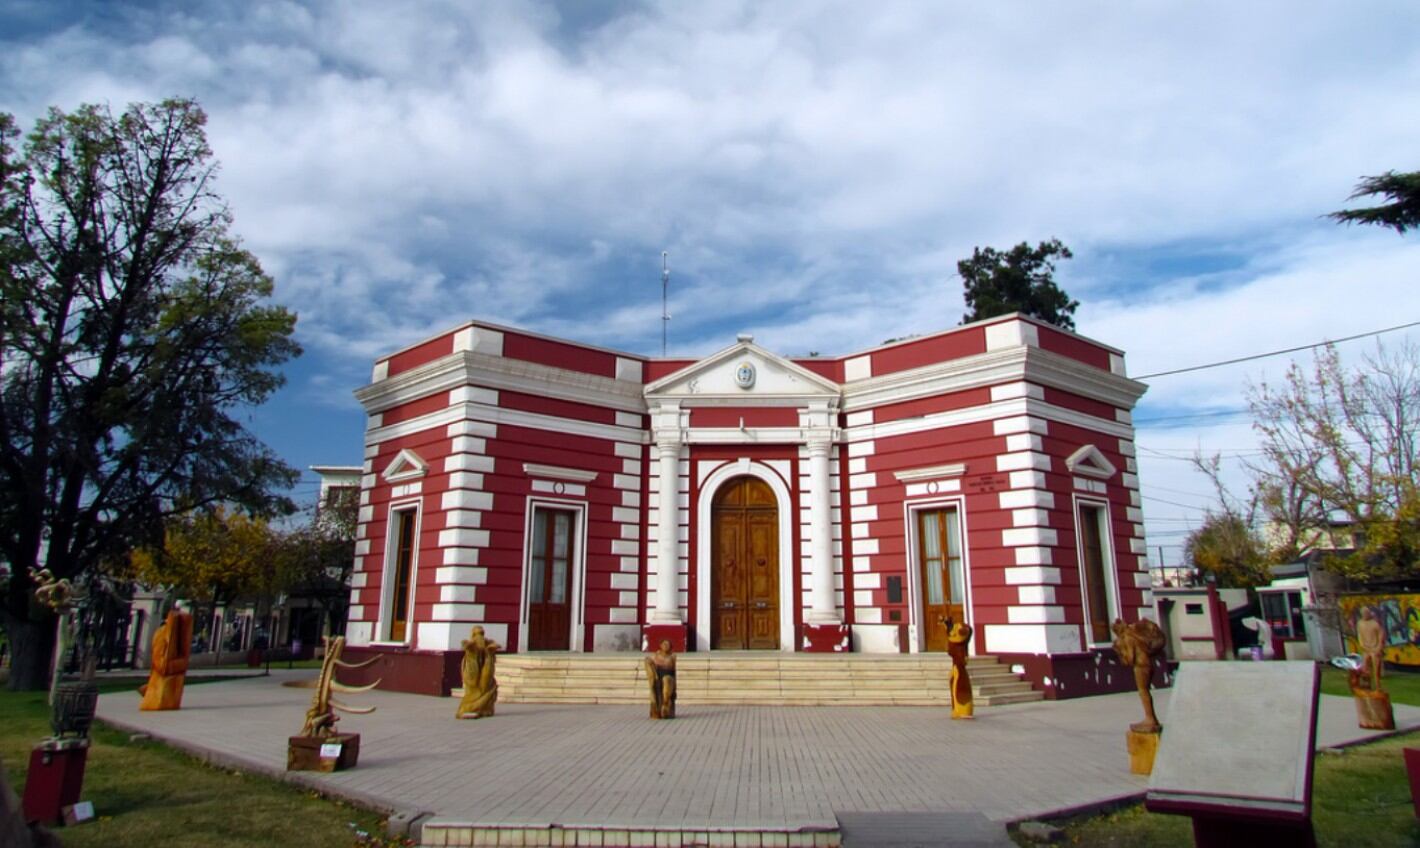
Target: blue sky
(814,169)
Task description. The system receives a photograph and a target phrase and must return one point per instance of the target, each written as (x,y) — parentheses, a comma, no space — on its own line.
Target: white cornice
(988,412)
(498,372)
(990,369)
(936,472)
(756,435)
(497,415)
(552,472)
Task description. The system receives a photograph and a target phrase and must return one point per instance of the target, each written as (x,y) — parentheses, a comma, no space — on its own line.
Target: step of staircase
(745,678)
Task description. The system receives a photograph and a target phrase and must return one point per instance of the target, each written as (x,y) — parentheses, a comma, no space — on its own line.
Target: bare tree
(1339,450)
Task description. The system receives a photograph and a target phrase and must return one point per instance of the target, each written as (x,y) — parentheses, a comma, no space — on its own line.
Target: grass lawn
(1360,798)
(1403,686)
(145,793)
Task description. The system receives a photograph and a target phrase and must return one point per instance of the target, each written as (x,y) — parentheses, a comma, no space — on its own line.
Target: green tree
(1228,549)
(315,559)
(1401,213)
(1020,280)
(134,330)
(211,557)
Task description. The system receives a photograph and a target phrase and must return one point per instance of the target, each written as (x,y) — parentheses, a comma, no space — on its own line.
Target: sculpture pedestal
(55,778)
(1412,770)
(329,753)
(1143,745)
(1229,832)
(1373,710)
(827,639)
(652,634)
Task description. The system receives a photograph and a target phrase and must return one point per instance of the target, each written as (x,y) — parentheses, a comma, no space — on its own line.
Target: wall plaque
(983,484)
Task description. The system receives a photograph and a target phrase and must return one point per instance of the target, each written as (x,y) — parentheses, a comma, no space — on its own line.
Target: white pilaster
(822,609)
(667,609)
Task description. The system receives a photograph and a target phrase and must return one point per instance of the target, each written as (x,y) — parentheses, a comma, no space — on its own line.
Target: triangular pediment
(406,465)
(743,370)
(1090,462)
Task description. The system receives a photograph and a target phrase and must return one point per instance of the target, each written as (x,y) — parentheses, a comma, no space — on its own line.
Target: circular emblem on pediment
(744,375)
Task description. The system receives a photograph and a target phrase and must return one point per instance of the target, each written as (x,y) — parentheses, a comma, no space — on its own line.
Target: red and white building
(572,498)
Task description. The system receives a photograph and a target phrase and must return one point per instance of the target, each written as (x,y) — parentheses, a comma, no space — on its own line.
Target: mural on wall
(1399,616)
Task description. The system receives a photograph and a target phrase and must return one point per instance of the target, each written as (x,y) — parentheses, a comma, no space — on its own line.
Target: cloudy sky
(814,169)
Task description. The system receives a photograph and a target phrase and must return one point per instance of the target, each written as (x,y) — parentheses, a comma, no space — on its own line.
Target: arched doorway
(744,574)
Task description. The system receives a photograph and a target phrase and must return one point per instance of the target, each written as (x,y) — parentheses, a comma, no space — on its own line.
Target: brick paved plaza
(780,770)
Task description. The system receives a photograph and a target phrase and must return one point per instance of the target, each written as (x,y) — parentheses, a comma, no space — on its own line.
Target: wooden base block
(1373,710)
(1142,748)
(304,753)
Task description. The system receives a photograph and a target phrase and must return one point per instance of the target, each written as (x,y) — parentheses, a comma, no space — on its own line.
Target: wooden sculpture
(480,687)
(1373,710)
(319,747)
(660,675)
(1137,645)
(958,638)
(172,648)
(321,717)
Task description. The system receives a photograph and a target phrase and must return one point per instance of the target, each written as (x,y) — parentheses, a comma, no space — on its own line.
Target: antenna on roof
(665,285)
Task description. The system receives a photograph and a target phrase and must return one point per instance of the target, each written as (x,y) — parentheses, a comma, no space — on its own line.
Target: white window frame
(577,600)
(916,633)
(386,618)
(1111,567)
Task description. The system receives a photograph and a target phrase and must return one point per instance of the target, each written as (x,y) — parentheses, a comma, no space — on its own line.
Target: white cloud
(814,169)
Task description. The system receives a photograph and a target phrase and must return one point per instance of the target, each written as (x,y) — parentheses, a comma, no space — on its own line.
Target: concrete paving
(780,768)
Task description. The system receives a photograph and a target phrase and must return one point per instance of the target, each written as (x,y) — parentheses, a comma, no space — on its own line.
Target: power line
(1218,414)
(1174,503)
(1277,352)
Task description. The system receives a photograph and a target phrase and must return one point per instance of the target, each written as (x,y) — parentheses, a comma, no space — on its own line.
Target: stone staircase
(758,678)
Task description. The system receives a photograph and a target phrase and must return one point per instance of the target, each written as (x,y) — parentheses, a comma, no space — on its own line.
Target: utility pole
(665,286)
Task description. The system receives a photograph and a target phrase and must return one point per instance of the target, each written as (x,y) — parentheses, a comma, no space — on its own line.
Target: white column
(667,609)
(822,609)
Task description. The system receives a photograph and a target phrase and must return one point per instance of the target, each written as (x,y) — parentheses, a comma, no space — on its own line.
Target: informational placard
(1239,737)
(986,483)
(330,751)
(78,813)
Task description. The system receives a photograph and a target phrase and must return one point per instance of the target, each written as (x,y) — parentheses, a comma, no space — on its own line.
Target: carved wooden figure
(660,676)
(172,648)
(1137,645)
(1373,709)
(480,687)
(321,717)
(958,640)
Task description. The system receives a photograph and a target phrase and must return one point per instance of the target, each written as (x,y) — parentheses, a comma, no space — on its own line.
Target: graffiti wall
(1399,616)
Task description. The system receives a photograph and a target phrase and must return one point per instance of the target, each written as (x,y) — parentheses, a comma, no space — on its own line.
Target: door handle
(727,605)
(761,605)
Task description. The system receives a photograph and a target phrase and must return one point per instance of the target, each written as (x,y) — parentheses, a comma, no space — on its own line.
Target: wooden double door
(744,573)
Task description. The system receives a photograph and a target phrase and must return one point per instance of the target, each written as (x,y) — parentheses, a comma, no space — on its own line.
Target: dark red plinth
(55,778)
(1228,832)
(1412,768)
(827,639)
(652,634)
